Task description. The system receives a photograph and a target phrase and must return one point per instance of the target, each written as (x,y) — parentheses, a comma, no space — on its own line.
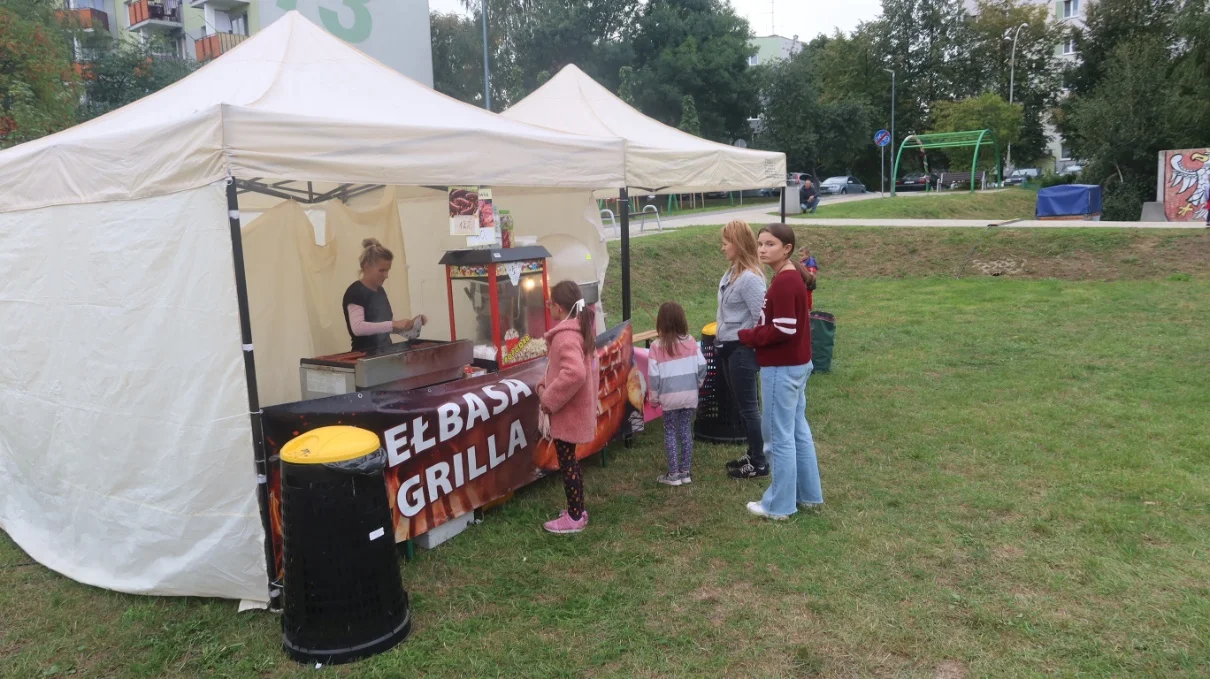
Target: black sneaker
(736,464)
(749,471)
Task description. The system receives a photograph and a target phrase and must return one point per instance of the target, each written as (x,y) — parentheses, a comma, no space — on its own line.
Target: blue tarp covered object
(1069,200)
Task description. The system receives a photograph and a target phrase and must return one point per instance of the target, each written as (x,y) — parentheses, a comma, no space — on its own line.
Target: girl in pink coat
(567,395)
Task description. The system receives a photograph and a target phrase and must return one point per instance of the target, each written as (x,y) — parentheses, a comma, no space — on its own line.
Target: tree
(697,48)
(126,72)
(626,85)
(38,87)
(985,112)
(1146,91)
(689,119)
(1037,78)
(457,57)
(821,135)
(530,37)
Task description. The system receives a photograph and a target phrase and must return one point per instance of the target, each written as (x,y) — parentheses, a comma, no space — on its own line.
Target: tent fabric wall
(126,450)
(281,325)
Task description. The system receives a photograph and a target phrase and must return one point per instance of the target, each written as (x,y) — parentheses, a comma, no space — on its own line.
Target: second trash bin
(344,597)
(718,419)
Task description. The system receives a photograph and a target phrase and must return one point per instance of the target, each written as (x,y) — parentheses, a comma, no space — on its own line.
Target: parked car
(1022,175)
(841,185)
(1073,169)
(917,182)
(797,178)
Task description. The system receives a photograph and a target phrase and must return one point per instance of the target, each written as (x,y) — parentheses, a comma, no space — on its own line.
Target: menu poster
(488,234)
(464,210)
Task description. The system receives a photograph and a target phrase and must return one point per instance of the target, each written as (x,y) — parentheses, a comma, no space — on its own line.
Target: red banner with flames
(455,447)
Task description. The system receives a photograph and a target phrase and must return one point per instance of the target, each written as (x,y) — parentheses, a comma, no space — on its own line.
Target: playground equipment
(950,140)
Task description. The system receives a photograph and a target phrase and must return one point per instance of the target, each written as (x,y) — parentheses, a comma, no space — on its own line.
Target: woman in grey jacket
(741,294)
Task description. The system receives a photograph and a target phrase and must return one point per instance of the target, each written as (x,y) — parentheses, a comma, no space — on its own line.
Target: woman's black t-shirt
(378,310)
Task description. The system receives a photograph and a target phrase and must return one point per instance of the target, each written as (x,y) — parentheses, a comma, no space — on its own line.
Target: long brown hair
(785,234)
(739,234)
(671,325)
(566,294)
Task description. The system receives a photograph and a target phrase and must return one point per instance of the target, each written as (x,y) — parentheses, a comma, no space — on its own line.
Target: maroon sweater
(783,335)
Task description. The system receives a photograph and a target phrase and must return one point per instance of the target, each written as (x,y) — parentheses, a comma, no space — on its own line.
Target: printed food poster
(488,234)
(464,210)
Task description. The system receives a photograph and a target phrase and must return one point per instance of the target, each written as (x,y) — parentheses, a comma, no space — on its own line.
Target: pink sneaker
(565,524)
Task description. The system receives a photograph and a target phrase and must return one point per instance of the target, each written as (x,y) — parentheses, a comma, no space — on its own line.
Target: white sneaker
(686,479)
(669,479)
(758,510)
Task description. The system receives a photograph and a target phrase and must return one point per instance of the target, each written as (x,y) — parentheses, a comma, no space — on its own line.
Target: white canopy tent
(659,158)
(129,372)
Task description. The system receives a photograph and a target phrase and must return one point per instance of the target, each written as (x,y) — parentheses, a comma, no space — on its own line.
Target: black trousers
(742,374)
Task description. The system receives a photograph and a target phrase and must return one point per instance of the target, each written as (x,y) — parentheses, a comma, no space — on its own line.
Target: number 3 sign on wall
(363,22)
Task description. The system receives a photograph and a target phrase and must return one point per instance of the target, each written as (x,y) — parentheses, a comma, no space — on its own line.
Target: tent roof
(657,156)
(294,102)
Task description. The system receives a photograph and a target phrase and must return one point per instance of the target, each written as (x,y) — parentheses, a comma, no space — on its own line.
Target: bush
(1050,179)
(1122,202)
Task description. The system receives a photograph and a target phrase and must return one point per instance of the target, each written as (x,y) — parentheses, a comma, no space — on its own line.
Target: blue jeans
(794,470)
(810,205)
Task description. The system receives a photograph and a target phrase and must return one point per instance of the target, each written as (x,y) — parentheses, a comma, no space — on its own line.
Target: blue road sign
(882,137)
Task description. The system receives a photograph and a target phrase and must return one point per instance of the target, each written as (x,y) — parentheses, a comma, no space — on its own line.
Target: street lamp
(487,78)
(892,72)
(1012,72)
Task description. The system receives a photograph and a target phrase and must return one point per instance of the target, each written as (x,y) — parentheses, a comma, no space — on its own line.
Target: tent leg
(783,203)
(624,202)
(258,438)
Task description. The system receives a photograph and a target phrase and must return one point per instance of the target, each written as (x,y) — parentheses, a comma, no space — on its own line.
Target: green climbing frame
(950,140)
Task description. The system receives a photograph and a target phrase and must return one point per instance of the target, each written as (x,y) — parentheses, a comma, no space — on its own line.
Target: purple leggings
(678,433)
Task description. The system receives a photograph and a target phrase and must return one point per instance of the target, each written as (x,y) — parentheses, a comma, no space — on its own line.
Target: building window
(1069,46)
(1071,9)
(1064,152)
(753,60)
(239,25)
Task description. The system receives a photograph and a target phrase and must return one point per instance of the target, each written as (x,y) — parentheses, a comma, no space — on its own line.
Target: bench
(954,179)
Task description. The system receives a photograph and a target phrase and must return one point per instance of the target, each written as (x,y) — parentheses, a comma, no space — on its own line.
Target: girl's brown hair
(566,294)
(372,251)
(785,234)
(671,325)
(739,234)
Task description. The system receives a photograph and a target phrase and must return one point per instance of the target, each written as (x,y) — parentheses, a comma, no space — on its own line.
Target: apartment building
(396,32)
(772,48)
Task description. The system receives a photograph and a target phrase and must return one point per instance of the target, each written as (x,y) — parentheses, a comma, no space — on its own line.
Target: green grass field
(1003,205)
(1016,471)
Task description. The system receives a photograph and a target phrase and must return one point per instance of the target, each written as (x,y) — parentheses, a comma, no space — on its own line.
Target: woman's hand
(421,319)
(402,326)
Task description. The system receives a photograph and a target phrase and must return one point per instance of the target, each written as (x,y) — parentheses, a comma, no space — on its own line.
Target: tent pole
(783,203)
(624,213)
(254,411)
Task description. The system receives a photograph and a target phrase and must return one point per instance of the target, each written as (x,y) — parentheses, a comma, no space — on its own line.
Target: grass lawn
(1014,203)
(1017,484)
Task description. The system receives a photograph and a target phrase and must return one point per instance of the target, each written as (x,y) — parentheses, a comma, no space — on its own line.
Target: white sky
(806,18)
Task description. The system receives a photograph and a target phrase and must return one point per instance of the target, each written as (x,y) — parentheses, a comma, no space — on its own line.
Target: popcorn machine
(497,300)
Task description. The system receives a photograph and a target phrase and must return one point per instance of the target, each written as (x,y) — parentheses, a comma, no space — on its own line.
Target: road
(760,215)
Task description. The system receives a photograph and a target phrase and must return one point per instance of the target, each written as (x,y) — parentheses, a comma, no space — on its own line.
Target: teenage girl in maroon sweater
(783,350)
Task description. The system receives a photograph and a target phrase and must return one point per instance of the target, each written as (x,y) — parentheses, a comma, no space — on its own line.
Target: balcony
(224,5)
(154,15)
(85,19)
(217,44)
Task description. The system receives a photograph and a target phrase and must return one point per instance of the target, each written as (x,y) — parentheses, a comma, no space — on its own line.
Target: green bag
(823,336)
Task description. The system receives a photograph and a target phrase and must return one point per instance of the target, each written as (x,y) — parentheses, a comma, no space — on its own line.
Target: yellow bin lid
(330,444)
(710,329)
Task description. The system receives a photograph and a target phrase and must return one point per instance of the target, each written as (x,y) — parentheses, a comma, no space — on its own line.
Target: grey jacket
(739,304)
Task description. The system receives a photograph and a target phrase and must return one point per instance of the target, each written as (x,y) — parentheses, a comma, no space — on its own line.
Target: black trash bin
(718,419)
(344,598)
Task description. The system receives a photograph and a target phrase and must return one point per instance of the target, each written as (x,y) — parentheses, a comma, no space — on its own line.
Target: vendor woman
(368,315)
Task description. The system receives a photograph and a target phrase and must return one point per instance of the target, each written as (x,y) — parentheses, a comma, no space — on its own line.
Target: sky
(804,18)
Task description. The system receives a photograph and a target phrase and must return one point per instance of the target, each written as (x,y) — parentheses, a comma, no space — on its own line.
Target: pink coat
(569,388)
